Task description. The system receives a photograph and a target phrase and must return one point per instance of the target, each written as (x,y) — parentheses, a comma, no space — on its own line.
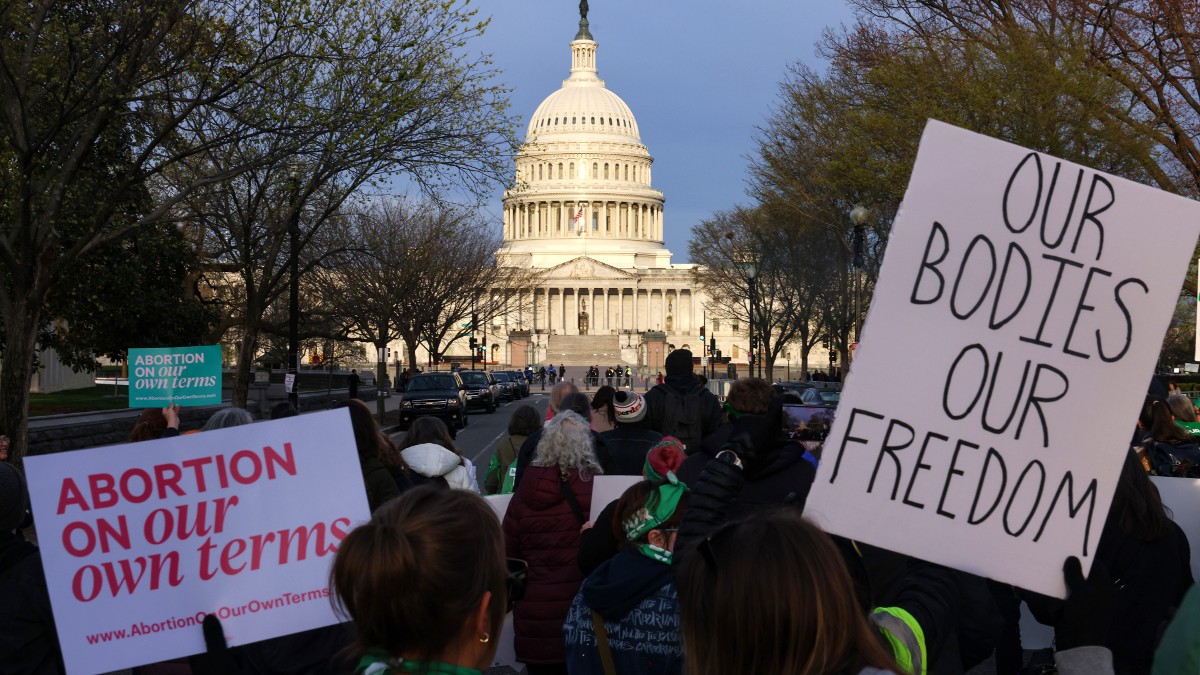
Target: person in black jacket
(680,406)
(628,442)
(28,641)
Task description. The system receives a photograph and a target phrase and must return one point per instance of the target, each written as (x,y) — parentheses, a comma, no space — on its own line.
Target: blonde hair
(567,444)
(560,391)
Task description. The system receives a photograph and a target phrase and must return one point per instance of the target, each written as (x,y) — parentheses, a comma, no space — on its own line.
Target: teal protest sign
(183,375)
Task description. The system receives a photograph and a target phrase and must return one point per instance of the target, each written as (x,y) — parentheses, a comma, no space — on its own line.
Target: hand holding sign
(1040,291)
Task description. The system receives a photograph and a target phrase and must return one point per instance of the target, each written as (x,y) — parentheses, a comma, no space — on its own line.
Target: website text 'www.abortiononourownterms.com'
(140,628)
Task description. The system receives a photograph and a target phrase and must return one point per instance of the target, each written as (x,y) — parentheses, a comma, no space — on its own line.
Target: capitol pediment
(585,267)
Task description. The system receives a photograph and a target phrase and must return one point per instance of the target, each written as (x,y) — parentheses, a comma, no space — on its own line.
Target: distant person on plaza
(608,376)
(353,382)
(632,595)
(659,379)
(552,374)
(228,417)
(28,641)
(680,407)
(562,371)
(424,583)
(502,471)
(602,538)
(432,456)
(628,376)
(604,417)
(1184,412)
(542,527)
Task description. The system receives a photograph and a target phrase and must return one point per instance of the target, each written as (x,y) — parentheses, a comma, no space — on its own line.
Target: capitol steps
(584,350)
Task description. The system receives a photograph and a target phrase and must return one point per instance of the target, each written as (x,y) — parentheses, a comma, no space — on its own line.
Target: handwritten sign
(183,375)
(1019,311)
(140,541)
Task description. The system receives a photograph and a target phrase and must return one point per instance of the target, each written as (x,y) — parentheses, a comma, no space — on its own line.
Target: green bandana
(644,520)
(653,552)
(377,662)
(731,411)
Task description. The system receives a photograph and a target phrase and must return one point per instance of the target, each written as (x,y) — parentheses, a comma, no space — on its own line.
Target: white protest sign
(608,489)
(1019,311)
(289,382)
(140,541)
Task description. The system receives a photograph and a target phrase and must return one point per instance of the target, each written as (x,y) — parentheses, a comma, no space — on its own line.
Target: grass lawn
(99,397)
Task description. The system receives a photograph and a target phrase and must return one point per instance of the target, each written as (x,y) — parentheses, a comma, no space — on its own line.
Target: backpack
(683,417)
(509,477)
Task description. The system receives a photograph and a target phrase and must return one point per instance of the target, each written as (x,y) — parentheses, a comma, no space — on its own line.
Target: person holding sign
(425,583)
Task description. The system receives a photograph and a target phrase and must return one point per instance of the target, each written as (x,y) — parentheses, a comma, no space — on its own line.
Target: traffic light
(701,334)
(712,346)
(474,343)
(474,319)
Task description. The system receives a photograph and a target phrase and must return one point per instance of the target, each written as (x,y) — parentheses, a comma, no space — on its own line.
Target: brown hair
(150,425)
(634,499)
(602,402)
(525,421)
(413,575)
(1162,424)
(799,616)
(429,430)
(1137,506)
(750,395)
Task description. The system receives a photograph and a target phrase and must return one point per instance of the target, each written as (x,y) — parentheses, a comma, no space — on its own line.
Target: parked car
(439,394)
(785,387)
(482,391)
(505,387)
(823,398)
(520,384)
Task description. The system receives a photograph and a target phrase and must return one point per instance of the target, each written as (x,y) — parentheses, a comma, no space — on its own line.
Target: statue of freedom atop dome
(583,9)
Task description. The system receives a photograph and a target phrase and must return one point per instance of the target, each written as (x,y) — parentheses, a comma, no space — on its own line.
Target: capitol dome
(582,183)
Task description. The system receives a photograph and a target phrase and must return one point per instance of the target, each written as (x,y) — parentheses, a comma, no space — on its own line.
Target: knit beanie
(14,498)
(666,457)
(679,362)
(629,406)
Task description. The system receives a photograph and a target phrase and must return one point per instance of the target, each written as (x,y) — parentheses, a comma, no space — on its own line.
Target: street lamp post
(858,218)
(752,279)
(294,306)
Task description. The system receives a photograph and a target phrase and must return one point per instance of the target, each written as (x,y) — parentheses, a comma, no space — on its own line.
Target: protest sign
(608,489)
(183,375)
(1018,314)
(140,541)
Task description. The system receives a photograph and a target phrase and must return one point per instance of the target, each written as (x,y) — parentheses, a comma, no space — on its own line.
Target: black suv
(439,394)
(482,391)
(505,387)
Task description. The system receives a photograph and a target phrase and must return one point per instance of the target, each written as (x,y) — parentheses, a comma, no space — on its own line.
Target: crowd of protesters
(705,565)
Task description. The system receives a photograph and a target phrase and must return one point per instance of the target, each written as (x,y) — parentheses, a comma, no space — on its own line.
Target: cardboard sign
(183,375)
(1018,315)
(608,489)
(140,541)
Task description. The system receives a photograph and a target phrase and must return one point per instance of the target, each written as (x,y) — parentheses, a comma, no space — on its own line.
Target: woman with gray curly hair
(542,526)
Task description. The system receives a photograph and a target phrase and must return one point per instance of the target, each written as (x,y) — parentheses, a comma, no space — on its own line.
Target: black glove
(1087,613)
(217,659)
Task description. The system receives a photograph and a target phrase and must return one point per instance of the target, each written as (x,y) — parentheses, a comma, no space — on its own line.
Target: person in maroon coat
(542,526)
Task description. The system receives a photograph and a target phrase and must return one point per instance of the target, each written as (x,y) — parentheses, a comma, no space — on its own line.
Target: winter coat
(434,461)
(636,598)
(626,447)
(506,454)
(28,642)
(540,528)
(656,409)
(380,484)
(784,475)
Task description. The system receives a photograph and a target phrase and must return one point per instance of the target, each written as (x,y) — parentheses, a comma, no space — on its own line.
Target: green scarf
(377,662)
(646,519)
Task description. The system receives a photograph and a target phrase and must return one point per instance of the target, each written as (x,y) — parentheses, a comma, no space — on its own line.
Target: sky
(699,77)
